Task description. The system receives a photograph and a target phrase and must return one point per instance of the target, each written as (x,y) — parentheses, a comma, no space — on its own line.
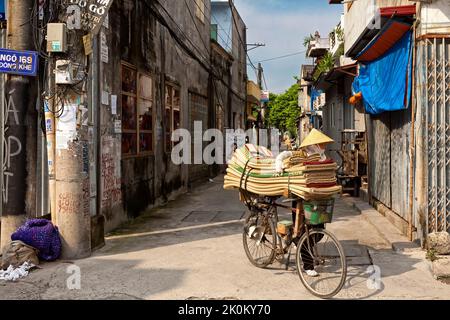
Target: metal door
(437,114)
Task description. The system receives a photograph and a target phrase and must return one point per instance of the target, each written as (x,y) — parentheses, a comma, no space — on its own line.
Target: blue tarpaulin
(385,83)
(314,95)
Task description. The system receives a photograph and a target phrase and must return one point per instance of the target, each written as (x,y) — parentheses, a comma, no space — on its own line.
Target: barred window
(137,112)
(172,114)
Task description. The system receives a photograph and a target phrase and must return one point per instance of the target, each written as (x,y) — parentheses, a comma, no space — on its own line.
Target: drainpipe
(51,141)
(413,141)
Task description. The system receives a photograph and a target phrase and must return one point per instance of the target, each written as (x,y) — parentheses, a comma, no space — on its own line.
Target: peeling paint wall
(359,15)
(239,71)
(435,18)
(131,184)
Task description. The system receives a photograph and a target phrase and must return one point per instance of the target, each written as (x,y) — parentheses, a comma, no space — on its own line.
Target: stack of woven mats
(253,168)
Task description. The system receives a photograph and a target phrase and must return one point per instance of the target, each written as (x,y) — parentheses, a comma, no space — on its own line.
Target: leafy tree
(324,65)
(340,33)
(283,110)
(307,40)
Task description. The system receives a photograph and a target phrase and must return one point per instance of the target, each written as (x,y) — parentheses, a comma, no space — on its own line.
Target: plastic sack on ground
(42,235)
(17,253)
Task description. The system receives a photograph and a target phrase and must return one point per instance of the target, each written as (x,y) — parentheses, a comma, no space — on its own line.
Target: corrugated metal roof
(392,32)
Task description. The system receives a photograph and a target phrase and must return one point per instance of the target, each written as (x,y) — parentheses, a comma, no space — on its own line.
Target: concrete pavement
(192,249)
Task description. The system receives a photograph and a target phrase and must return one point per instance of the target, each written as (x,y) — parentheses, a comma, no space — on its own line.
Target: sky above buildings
(282,26)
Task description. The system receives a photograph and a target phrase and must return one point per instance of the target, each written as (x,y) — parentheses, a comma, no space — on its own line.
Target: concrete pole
(72,182)
(263,104)
(72,200)
(20,141)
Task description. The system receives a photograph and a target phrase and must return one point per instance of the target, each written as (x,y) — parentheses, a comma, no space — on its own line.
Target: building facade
(412,195)
(136,84)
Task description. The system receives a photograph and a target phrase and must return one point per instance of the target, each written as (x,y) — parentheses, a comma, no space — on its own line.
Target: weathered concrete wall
(193,81)
(131,184)
(239,71)
(333,121)
(435,18)
(360,14)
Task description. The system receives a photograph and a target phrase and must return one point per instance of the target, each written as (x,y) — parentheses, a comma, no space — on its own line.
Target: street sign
(2,10)
(91,12)
(265,96)
(24,63)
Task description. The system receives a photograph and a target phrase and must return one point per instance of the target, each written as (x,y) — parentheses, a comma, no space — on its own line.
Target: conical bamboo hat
(315,137)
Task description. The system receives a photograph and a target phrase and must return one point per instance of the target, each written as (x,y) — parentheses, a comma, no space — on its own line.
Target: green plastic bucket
(318,211)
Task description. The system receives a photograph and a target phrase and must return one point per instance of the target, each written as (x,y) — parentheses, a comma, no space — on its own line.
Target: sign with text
(265,96)
(2,10)
(24,63)
(91,12)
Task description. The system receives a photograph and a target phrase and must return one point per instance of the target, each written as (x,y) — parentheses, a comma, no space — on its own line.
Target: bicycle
(320,260)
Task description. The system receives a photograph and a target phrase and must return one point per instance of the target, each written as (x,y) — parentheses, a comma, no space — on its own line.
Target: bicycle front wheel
(260,240)
(321,263)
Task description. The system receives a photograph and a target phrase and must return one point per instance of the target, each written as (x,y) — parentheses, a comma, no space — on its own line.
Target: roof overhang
(328,79)
(216,47)
(400,13)
(388,36)
(253,92)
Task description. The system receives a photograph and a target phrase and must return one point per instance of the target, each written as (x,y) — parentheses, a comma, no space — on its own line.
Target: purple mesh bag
(42,235)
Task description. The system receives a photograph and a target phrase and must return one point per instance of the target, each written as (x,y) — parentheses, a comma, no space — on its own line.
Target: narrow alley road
(192,249)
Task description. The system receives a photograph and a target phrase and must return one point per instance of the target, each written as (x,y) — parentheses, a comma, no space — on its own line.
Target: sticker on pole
(265,96)
(24,63)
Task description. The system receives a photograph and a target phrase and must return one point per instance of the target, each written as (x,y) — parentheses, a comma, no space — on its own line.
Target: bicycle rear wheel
(260,239)
(321,263)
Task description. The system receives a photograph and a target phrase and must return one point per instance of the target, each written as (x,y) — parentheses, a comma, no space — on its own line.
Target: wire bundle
(252,168)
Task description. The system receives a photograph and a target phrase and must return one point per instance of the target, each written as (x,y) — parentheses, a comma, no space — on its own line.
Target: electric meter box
(64,72)
(56,37)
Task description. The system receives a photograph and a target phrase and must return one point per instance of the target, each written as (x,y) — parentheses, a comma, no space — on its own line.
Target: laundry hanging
(385,83)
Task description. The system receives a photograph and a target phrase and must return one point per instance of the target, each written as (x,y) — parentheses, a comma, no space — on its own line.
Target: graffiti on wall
(69,202)
(12,146)
(111,183)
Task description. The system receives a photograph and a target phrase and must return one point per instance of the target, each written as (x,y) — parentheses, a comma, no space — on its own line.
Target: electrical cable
(232,7)
(163,21)
(282,57)
(218,23)
(196,27)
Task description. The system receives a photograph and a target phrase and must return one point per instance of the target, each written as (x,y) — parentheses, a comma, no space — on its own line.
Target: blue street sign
(2,10)
(24,63)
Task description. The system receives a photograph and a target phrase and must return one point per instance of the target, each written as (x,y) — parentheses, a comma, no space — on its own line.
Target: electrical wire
(196,27)
(228,36)
(284,56)
(163,21)
(232,7)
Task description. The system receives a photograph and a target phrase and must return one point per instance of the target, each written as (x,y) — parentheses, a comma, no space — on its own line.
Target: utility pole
(254,46)
(20,127)
(263,104)
(260,71)
(72,181)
